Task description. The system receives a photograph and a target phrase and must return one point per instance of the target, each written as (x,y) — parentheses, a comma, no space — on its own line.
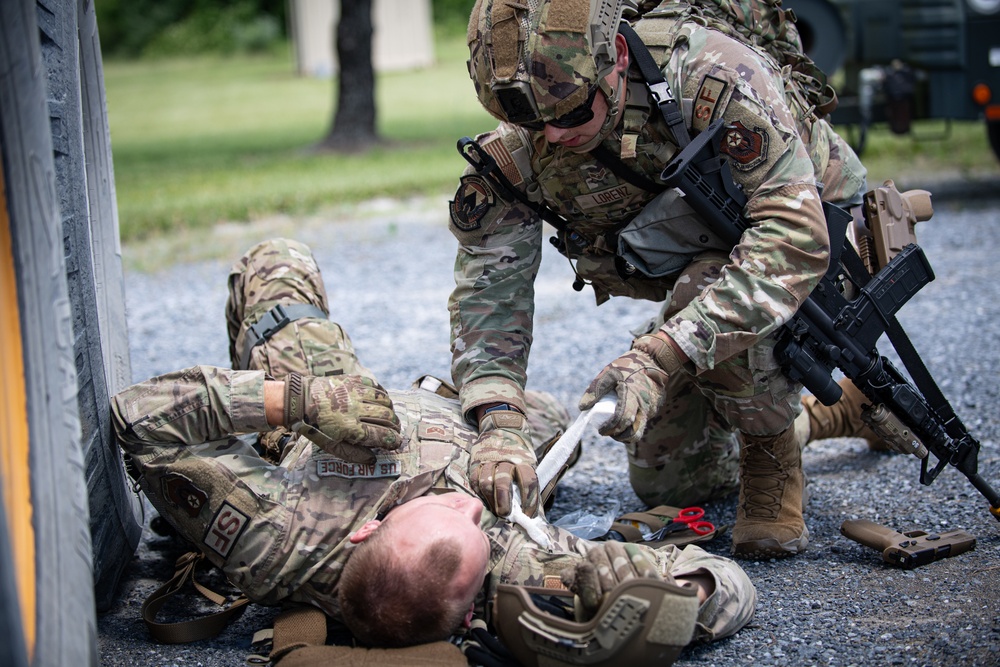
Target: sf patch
(226,527)
(473,199)
(705,102)
(747,148)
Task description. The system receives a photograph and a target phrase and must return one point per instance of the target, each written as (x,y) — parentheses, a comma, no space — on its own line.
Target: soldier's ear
(621,53)
(364,531)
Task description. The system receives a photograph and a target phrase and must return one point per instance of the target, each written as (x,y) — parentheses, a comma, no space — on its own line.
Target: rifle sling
(658,87)
(622,171)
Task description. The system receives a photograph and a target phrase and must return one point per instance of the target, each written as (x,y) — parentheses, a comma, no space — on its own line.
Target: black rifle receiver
(830,332)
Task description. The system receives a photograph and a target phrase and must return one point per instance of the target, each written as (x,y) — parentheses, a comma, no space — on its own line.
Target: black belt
(272,322)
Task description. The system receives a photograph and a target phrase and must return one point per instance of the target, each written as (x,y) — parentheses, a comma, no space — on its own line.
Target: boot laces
(763,485)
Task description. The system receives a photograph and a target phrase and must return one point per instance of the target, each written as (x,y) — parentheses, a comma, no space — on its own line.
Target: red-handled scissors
(689,518)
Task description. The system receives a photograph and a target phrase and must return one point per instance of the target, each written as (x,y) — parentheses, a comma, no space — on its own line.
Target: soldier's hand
(501,457)
(639,379)
(604,568)
(346,415)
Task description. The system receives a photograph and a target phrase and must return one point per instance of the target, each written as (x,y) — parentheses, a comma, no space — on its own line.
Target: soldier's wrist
(667,355)
(502,416)
(487,408)
(274,402)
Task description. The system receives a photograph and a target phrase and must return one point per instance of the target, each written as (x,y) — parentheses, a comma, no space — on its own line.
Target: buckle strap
(194,629)
(272,322)
(659,89)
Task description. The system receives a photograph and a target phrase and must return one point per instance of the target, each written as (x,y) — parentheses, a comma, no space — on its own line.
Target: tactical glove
(346,415)
(639,378)
(501,457)
(604,568)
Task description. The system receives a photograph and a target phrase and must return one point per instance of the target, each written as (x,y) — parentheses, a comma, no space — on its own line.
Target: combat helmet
(534,61)
(640,622)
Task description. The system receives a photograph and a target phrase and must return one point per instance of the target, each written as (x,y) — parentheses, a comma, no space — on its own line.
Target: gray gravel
(388,271)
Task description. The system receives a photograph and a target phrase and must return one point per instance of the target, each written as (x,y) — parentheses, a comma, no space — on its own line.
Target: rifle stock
(831,332)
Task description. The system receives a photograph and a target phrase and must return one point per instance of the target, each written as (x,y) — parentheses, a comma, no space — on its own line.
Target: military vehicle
(897,61)
(69,521)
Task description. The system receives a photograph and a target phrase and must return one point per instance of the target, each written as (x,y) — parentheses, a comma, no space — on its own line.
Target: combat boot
(769,521)
(840,420)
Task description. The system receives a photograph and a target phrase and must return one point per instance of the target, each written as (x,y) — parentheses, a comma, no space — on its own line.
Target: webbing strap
(194,629)
(622,170)
(295,628)
(300,636)
(908,354)
(657,85)
(272,322)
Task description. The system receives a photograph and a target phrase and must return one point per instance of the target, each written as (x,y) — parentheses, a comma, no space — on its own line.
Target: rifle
(831,331)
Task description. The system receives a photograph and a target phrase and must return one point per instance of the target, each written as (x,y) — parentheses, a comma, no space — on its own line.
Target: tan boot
(840,420)
(769,521)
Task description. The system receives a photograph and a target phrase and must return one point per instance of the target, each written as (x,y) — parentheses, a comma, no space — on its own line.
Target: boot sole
(767,548)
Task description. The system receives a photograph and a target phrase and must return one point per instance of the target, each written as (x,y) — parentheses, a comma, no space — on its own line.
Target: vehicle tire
(13,651)
(85,183)
(993,131)
(821,27)
(45,499)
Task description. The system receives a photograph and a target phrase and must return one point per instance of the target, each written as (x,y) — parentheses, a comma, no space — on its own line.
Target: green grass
(204,140)
(930,153)
(199,141)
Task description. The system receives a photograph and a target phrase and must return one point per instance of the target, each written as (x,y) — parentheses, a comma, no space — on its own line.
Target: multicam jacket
(280,531)
(778,151)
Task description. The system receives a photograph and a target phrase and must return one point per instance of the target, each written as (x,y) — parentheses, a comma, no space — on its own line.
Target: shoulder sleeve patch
(473,199)
(499,151)
(706,101)
(747,146)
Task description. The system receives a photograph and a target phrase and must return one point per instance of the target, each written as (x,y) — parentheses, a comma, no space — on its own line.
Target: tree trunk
(353,126)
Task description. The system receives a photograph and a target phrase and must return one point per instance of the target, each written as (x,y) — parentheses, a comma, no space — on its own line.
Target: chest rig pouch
(665,236)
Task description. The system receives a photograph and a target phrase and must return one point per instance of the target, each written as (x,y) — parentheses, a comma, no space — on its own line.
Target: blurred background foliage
(159,28)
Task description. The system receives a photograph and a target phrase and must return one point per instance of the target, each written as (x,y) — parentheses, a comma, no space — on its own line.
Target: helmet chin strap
(615,98)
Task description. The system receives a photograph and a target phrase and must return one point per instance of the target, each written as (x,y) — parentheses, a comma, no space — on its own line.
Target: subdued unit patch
(747,148)
(182,493)
(472,199)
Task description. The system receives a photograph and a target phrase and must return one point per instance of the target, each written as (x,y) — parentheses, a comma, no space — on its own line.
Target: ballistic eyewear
(572,118)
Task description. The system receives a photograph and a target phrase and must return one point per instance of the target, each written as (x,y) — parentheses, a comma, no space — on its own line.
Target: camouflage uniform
(279,528)
(722,308)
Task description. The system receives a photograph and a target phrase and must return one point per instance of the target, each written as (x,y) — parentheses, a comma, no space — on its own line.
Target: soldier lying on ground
(305,481)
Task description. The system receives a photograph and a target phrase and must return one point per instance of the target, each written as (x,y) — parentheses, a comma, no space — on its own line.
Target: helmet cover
(536,60)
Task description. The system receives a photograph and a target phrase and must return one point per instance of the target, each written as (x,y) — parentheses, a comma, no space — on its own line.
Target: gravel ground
(388,271)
